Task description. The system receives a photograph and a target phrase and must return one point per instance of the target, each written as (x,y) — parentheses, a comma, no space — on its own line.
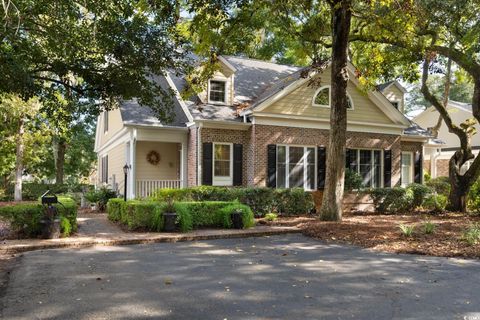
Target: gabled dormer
(395,93)
(220,88)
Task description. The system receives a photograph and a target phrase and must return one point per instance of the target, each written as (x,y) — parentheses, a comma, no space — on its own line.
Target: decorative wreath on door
(153,157)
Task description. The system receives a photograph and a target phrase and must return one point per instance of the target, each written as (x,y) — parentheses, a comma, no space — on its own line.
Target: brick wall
(263,135)
(258,137)
(192,157)
(442,167)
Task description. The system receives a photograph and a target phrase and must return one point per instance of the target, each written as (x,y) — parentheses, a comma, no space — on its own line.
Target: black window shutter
(237,164)
(347,159)
(207,165)
(321,170)
(272,166)
(351,159)
(387,168)
(418,167)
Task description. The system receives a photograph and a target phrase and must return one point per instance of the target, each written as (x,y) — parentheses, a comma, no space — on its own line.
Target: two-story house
(258,124)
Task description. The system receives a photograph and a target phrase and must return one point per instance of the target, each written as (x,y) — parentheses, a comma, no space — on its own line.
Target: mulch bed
(382,233)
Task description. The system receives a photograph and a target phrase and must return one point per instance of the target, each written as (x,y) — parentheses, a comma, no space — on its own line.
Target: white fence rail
(145,188)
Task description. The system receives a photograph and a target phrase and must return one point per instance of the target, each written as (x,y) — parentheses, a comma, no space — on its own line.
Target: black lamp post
(126,167)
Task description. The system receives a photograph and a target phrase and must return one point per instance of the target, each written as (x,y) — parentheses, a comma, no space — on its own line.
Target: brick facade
(256,139)
(228,136)
(192,157)
(264,135)
(442,167)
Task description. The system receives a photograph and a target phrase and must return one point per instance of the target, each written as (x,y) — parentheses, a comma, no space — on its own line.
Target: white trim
(329,87)
(291,121)
(221,180)
(97,134)
(411,169)
(227,64)
(305,165)
(375,96)
(224,93)
(224,124)
(398,85)
(372,164)
(120,137)
(179,97)
(414,138)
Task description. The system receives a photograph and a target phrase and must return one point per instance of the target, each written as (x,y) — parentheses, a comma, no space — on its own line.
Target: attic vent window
(217,91)
(322,98)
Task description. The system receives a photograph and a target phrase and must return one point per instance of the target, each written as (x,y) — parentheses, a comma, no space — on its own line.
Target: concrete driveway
(277,277)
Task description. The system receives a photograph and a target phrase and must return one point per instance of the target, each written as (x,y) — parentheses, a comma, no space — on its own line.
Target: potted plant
(170,216)
(236,217)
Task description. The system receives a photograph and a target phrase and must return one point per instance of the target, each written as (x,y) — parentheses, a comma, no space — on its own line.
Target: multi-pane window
(296,167)
(217,91)
(323,98)
(368,164)
(222,159)
(407,168)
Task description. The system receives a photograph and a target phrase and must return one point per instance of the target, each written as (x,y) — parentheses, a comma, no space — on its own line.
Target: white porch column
(183,165)
(132,183)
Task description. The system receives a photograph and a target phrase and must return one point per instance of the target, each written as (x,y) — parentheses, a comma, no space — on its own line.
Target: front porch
(157,159)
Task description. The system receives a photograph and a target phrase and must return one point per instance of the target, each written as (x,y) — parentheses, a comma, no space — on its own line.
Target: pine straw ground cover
(382,233)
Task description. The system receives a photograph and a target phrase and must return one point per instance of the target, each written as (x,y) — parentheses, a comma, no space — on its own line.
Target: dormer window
(322,98)
(217,91)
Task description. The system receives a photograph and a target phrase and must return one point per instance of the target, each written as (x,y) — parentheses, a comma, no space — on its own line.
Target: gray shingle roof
(135,114)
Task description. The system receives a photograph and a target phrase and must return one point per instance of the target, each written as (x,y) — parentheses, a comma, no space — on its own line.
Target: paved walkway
(95,229)
(277,277)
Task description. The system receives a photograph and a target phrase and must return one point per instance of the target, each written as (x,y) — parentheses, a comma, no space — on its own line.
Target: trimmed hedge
(136,214)
(260,200)
(25,218)
(33,190)
(393,200)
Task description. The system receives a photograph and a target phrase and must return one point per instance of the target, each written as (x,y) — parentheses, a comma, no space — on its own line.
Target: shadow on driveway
(277,277)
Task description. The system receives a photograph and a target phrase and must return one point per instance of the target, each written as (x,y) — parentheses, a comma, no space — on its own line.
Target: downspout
(199,132)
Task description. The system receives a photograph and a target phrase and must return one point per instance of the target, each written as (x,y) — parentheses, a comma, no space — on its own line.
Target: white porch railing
(145,188)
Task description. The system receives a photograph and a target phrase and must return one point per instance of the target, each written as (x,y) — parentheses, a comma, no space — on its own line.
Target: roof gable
(295,97)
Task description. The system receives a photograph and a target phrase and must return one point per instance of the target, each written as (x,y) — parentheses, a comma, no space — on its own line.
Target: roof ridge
(263,61)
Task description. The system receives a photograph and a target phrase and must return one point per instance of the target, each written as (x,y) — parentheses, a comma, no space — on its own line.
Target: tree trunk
(335,168)
(19,162)
(60,149)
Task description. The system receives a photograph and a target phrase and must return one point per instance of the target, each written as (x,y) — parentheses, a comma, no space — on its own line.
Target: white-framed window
(222,164)
(217,92)
(368,163)
(406,168)
(323,98)
(105,121)
(296,167)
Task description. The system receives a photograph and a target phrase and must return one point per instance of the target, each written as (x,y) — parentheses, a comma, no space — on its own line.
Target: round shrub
(440,185)
(420,192)
(435,203)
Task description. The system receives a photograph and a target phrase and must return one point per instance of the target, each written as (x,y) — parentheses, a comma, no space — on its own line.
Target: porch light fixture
(126,167)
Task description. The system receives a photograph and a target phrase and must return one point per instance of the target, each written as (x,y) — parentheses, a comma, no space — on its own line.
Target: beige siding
(429,118)
(394,94)
(299,103)
(115,124)
(224,74)
(167,169)
(116,161)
